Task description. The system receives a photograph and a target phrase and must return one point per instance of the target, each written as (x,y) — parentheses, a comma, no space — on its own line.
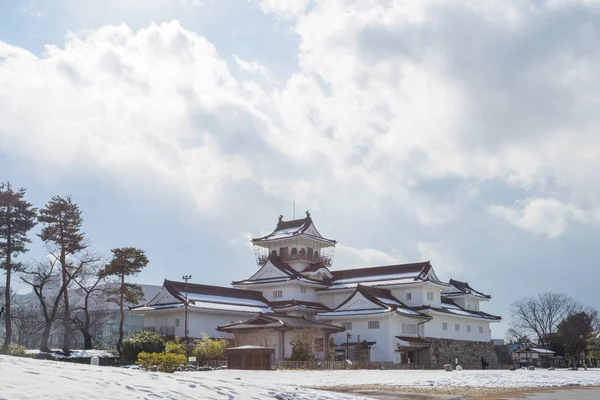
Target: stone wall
(446,351)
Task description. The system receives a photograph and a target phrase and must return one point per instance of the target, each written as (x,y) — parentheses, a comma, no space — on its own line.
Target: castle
(401,313)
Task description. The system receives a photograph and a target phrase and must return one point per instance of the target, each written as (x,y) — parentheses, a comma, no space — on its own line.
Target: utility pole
(187,333)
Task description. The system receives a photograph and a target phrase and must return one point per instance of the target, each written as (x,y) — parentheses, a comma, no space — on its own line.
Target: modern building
(404,313)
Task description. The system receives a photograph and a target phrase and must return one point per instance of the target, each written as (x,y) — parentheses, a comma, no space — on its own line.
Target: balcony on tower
(295,242)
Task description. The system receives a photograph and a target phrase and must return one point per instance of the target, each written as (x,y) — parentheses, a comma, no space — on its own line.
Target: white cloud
(252,66)
(541,216)
(445,265)
(354,257)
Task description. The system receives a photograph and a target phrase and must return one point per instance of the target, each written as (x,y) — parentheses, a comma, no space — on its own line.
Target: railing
(167,330)
(329,365)
(213,363)
(298,257)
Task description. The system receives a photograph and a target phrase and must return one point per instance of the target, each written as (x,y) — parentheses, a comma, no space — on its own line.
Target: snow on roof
(352,312)
(460,288)
(229,307)
(197,297)
(296,227)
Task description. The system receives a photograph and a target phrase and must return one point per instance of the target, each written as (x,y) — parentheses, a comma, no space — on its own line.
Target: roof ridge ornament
(280,219)
(307,214)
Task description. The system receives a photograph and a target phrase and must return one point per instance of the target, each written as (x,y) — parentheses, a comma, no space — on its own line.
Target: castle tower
(297,243)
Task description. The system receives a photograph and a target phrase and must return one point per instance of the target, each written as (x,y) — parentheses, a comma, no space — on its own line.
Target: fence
(213,363)
(284,364)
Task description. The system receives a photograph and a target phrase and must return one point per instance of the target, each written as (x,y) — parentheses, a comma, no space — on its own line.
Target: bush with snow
(163,362)
(175,347)
(210,349)
(148,342)
(16,350)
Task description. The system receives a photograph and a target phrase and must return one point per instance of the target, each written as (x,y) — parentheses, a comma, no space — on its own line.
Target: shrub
(163,362)
(175,347)
(148,342)
(16,350)
(302,348)
(210,349)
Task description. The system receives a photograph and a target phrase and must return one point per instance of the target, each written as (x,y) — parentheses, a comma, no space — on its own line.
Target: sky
(465,133)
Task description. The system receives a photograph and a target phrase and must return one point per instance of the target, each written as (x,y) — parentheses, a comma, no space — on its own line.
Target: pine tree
(62,234)
(126,261)
(17,217)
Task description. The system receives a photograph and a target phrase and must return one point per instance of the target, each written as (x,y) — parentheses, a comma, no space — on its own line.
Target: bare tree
(27,323)
(541,315)
(41,276)
(91,311)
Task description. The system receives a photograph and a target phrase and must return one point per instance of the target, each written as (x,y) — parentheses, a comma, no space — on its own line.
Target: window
(476,307)
(373,324)
(430,296)
(177,322)
(347,325)
(302,289)
(283,252)
(445,326)
(409,329)
(469,306)
(302,253)
(468,328)
(457,327)
(319,344)
(481,329)
(408,296)
(277,294)
(310,252)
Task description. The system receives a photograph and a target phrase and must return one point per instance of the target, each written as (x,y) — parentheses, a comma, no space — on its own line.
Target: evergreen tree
(302,348)
(126,261)
(62,234)
(17,217)
(573,331)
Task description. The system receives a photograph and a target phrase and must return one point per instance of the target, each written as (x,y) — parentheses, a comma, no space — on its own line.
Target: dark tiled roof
(351,344)
(177,288)
(293,228)
(293,303)
(420,269)
(464,288)
(476,314)
(315,267)
(278,321)
(282,266)
(413,339)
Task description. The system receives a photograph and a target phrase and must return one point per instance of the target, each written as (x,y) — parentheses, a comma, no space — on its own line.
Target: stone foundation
(446,351)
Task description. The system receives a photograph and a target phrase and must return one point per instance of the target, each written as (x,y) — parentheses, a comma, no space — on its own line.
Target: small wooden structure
(250,357)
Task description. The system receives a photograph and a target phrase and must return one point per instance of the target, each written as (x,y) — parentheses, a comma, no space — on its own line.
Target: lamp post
(186,278)
(347,344)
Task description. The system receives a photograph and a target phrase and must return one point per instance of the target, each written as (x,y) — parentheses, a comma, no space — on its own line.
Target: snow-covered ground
(24,379)
(473,378)
(56,353)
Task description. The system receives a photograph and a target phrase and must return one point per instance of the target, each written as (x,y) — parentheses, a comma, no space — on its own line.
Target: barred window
(408,296)
(373,324)
(347,325)
(445,326)
(277,294)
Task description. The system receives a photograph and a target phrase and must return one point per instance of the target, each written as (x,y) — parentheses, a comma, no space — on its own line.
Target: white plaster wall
(332,300)
(381,350)
(288,336)
(434,329)
(260,338)
(437,300)
(198,322)
(416,295)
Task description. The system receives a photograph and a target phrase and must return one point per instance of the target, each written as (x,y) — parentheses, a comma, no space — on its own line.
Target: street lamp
(186,278)
(347,344)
